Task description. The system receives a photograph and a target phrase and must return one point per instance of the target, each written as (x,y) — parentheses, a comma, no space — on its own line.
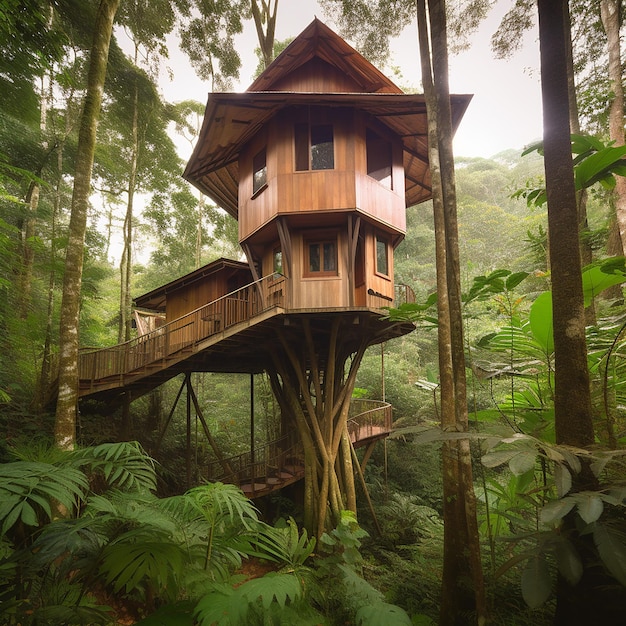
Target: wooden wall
(346,187)
(308,292)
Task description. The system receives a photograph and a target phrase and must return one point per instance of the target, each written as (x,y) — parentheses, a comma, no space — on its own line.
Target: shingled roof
(232,119)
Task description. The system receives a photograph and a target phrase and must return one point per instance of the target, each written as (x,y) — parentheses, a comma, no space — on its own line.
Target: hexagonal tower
(318,161)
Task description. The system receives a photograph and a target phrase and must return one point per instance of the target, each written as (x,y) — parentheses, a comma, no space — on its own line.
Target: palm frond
(123,465)
(28,488)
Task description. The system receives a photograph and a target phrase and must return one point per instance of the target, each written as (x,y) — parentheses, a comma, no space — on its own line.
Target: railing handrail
(184,332)
(359,419)
(161,329)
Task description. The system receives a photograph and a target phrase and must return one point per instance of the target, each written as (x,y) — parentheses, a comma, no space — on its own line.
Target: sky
(505,111)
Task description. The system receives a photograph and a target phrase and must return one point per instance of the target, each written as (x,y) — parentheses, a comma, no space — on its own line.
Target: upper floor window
(321,257)
(278,261)
(382,256)
(378,158)
(259,168)
(314,146)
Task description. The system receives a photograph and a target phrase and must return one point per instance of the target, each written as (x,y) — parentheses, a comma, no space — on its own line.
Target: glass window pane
(378,158)
(382,265)
(314,257)
(322,151)
(301,134)
(278,261)
(330,257)
(259,166)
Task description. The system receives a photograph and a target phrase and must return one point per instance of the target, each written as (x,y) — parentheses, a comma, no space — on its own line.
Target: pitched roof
(232,119)
(156,299)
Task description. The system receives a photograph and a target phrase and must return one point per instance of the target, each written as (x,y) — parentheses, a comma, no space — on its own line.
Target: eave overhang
(233,119)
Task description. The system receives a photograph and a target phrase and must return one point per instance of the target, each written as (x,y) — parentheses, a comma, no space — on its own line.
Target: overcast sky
(505,111)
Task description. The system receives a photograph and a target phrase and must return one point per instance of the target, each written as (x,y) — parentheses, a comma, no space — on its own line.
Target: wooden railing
(183,333)
(267,461)
(403,295)
(367,418)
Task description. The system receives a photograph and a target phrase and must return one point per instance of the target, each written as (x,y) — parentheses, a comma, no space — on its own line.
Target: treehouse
(317,161)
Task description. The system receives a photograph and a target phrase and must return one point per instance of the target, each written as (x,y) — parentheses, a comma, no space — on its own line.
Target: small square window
(259,167)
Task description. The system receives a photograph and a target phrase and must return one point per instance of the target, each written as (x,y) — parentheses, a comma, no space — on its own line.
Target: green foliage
(122,465)
(283,543)
(272,594)
(28,490)
(594,162)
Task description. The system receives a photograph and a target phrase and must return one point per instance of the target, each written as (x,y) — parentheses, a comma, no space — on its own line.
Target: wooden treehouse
(317,161)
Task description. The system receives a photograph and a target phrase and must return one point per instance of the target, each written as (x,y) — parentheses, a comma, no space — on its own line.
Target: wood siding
(317,76)
(347,187)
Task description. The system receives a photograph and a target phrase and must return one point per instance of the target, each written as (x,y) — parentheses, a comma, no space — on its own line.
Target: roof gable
(319,41)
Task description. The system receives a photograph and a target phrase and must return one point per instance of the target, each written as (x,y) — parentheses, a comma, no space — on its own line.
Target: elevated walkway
(280,463)
(233,334)
(213,337)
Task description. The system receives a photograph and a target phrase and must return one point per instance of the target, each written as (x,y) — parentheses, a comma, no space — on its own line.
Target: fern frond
(124,465)
(27,489)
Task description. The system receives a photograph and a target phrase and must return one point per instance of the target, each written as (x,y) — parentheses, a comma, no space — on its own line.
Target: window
(278,261)
(382,256)
(378,158)
(314,146)
(321,258)
(259,167)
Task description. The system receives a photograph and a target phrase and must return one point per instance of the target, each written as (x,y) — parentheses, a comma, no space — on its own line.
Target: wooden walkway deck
(280,463)
(145,362)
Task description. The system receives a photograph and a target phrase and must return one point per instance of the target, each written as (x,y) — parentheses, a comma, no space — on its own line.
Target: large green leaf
(536,582)
(382,614)
(143,557)
(611,545)
(598,166)
(567,560)
(541,321)
(589,505)
(556,510)
(27,489)
(601,276)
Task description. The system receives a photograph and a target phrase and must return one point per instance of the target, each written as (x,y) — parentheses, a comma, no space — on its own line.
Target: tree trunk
(572,394)
(65,423)
(126,262)
(610,14)
(313,389)
(265,15)
(462,580)
(588,601)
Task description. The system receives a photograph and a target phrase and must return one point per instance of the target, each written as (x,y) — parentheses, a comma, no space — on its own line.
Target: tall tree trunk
(588,601)
(572,394)
(462,585)
(126,262)
(610,14)
(265,16)
(65,422)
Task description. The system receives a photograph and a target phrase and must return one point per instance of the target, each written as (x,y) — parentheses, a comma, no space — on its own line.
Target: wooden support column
(188,463)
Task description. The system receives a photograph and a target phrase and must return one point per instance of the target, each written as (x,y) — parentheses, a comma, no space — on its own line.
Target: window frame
(381,239)
(304,148)
(257,188)
(321,240)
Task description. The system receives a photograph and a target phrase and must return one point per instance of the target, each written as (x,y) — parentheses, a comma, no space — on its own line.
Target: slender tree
(610,11)
(264,15)
(65,422)
(461,560)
